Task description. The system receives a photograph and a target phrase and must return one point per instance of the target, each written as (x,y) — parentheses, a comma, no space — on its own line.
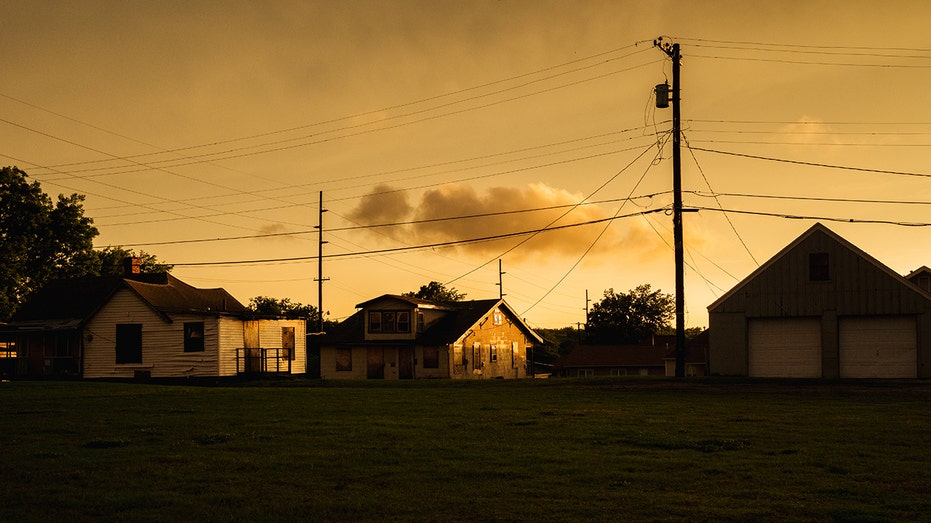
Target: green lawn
(553,450)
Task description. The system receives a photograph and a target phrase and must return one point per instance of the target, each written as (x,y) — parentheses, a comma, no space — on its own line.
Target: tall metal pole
(320,277)
(677,217)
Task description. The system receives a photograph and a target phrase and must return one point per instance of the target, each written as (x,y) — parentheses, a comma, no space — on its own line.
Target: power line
(813,164)
(450,243)
(726,217)
(393,224)
(818,218)
(366,113)
(237,152)
(602,186)
(809,198)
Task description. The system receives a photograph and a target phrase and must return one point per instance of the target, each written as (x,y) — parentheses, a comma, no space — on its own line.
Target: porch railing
(263,361)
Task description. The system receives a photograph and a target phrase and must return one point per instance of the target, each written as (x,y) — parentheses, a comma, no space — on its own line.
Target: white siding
(231,340)
(162,342)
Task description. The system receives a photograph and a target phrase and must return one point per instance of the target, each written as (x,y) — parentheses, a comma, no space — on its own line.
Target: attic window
(498,317)
(819,267)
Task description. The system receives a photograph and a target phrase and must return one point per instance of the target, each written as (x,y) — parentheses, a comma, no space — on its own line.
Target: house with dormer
(402,337)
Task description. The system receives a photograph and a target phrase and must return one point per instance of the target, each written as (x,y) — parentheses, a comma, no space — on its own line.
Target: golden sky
(204,132)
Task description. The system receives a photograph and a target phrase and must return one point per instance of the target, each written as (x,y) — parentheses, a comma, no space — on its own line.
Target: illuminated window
(476,355)
(494,353)
(499,318)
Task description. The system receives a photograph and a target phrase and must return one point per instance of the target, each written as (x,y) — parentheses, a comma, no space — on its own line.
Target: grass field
(554,450)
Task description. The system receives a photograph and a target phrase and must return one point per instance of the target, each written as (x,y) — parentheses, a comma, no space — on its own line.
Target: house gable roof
(816,229)
(406,300)
(81,298)
(459,318)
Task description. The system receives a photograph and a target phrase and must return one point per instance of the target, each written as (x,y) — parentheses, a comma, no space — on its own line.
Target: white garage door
(878,347)
(785,348)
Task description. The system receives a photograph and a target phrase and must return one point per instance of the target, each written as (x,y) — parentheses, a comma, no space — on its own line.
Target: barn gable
(822,307)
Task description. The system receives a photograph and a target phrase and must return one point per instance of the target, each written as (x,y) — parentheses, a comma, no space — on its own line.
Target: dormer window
(389,322)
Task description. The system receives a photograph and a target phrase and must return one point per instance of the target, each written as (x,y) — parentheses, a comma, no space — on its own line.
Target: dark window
(420,322)
(194,336)
(389,322)
(404,322)
(343,359)
(494,353)
(476,355)
(819,268)
(129,343)
(431,358)
(374,322)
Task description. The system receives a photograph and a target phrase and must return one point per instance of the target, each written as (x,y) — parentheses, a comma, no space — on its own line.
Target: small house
(821,307)
(401,337)
(146,325)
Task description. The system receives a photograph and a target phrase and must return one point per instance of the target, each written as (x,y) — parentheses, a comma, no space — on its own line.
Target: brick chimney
(131,267)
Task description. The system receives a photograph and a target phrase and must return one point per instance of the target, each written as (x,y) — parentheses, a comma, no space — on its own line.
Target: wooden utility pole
(320,279)
(672,50)
(500,281)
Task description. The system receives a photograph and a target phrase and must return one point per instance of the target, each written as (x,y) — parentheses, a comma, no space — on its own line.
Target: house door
(406,363)
(376,363)
(252,352)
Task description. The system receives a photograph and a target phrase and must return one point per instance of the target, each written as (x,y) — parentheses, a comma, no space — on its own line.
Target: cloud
(492,211)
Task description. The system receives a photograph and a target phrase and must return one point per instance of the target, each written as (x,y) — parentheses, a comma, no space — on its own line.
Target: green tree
(556,343)
(436,291)
(284,307)
(629,318)
(39,240)
(110,262)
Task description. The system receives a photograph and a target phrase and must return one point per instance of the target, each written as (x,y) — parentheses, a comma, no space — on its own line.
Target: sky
(444,136)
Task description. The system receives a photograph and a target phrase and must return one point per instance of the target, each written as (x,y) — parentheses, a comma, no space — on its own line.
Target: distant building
(400,337)
(654,358)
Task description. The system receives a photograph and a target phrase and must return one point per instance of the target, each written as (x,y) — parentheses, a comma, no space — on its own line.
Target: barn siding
(162,342)
(858,286)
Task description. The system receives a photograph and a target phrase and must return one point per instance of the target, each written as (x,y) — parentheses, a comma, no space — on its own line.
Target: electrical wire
(812,164)
(450,243)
